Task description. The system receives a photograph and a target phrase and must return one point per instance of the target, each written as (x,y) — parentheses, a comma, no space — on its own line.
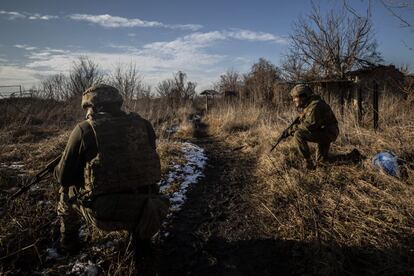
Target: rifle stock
(38,177)
(280,137)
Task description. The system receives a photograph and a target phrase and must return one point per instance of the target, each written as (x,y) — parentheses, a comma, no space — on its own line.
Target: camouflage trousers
(322,138)
(111,212)
(69,213)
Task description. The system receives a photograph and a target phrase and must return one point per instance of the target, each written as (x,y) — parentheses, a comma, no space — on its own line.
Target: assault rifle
(282,135)
(38,177)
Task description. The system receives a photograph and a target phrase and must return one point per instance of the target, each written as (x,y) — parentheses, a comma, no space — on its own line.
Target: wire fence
(14,91)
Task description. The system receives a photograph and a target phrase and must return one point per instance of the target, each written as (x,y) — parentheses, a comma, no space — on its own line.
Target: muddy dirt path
(218,230)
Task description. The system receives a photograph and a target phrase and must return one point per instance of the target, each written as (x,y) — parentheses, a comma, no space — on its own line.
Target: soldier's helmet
(301,90)
(100,95)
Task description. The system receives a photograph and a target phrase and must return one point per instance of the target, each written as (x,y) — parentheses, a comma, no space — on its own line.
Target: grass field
(356,219)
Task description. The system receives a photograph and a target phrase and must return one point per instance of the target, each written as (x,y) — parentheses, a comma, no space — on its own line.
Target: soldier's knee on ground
(302,144)
(322,153)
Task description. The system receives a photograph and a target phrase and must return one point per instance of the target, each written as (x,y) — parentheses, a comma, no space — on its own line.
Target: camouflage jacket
(317,116)
(80,149)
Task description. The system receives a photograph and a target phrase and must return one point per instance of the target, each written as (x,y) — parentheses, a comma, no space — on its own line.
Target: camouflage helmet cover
(301,90)
(99,95)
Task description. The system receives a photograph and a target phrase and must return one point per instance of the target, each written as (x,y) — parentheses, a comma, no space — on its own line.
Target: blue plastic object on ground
(387,161)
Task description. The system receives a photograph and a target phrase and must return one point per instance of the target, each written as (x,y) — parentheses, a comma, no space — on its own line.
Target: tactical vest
(125,161)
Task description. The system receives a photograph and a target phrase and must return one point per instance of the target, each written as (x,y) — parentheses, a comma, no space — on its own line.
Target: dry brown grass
(348,211)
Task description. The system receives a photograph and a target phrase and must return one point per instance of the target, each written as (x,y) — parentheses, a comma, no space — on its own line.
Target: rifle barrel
(280,137)
(38,177)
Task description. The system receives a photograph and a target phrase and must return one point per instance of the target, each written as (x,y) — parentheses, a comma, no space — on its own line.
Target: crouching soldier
(317,124)
(109,173)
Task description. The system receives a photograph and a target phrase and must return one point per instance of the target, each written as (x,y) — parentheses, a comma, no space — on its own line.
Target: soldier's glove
(285,134)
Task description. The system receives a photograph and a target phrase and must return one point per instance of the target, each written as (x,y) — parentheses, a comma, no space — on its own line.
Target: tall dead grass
(347,211)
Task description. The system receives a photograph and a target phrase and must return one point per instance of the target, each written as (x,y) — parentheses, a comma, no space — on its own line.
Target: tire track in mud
(218,230)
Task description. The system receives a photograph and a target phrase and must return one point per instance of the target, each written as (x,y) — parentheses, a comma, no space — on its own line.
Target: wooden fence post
(358,93)
(359,103)
(375,104)
(206,102)
(341,98)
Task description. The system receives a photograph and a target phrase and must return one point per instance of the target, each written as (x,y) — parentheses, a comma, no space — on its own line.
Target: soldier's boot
(355,156)
(69,242)
(322,155)
(70,223)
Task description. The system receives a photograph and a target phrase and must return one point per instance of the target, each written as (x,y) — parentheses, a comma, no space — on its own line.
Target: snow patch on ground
(104,246)
(186,174)
(83,232)
(85,269)
(52,254)
(35,187)
(172,129)
(43,203)
(19,165)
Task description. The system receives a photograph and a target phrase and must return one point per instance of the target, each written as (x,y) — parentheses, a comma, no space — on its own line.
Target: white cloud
(37,16)
(197,41)
(110,21)
(152,63)
(17,75)
(156,61)
(256,36)
(25,47)
(187,44)
(11,15)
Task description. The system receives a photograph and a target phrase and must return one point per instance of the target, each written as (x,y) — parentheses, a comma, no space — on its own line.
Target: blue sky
(202,38)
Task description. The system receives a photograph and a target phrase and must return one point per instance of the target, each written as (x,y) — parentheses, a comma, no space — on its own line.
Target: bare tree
(397,9)
(177,90)
(185,89)
(333,44)
(230,81)
(129,83)
(400,9)
(55,87)
(261,79)
(293,68)
(84,74)
(165,88)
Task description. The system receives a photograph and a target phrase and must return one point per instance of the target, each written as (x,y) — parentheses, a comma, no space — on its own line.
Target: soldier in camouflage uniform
(108,172)
(317,124)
